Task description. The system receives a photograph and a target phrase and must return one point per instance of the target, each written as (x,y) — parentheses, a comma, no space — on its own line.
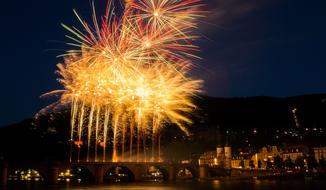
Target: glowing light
(148,44)
(130,73)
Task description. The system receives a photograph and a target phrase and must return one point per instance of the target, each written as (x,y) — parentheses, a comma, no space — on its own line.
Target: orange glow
(133,69)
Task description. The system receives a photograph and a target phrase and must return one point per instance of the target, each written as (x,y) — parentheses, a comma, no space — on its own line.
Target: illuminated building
(236,163)
(266,154)
(294,152)
(320,153)
(222,157)
(208,158)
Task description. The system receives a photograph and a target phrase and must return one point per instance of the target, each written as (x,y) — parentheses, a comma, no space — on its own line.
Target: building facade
(294,152)
(319,153)
(221,157)
(265,154)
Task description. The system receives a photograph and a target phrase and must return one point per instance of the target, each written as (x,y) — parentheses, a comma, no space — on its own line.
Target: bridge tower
(228,156)
(220,156)
(227,152)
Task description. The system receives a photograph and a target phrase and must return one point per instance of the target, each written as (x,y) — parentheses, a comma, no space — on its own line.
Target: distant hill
(264,112)
(216,121)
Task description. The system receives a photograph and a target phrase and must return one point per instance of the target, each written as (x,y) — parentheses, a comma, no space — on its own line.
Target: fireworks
(129,74)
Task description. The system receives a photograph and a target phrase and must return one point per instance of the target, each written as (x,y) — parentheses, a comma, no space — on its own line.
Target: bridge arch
(81,174)
(186,173)
(91,172)
(119,173)
(155,173)
(26,174)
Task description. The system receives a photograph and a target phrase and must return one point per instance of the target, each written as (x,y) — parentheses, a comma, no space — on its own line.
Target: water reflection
(216,184)
(207,185)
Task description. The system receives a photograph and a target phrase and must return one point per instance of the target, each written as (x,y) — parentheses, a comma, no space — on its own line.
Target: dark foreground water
(215,185)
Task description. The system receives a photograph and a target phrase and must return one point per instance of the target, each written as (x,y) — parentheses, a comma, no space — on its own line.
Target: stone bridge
(97,170)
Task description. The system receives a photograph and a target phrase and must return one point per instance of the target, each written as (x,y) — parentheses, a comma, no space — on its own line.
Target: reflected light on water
(257,182)
(216,184)
(133,187)
(222,184)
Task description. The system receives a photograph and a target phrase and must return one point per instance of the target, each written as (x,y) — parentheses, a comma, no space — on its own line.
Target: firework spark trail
(131,72)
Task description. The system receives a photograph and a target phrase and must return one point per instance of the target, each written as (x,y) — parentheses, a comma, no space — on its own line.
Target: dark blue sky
(252,48)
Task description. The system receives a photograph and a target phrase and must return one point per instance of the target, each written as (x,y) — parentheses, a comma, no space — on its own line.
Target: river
(214,185)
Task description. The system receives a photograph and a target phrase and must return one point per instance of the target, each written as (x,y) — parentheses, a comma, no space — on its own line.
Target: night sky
(249,48)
